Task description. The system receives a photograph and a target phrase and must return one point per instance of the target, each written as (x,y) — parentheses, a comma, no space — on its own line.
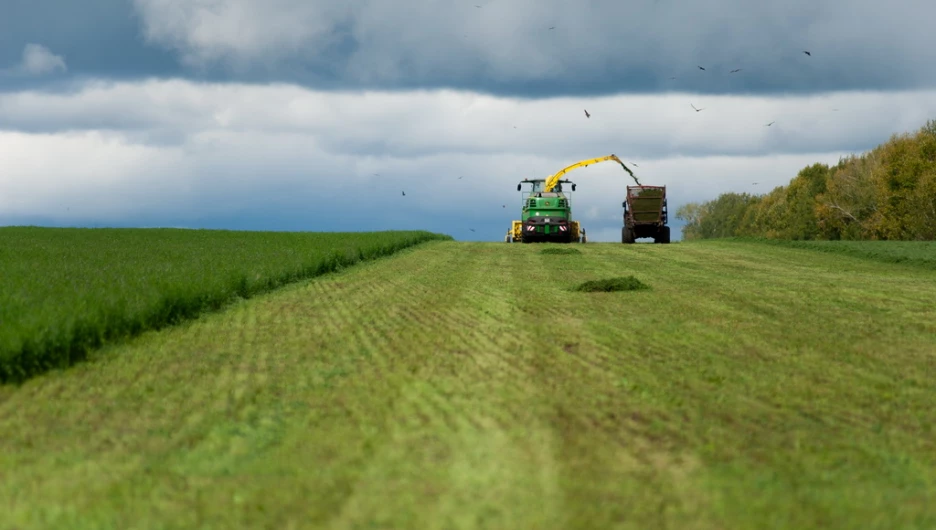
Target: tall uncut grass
(65,291)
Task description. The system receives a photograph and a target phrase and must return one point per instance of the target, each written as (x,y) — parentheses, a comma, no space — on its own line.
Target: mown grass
(67,291)
(461,385)
(916,253)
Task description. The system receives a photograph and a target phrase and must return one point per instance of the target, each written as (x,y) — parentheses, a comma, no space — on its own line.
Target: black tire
(663,236)
(627,235)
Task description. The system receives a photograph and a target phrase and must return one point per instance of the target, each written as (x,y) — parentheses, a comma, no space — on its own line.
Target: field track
(462,385)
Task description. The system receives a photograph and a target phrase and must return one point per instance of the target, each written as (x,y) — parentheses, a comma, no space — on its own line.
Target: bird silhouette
(587,115)
(459,178)
(552,27)
(807,53)
(735,70)
(769,124)
(697,110)
(472,229)
(504,206)
(404,193)
(700,68)
(635,165)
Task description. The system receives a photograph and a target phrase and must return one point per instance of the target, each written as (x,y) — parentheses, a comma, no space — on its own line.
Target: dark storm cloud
(98,38)
(504,47)
(607,46)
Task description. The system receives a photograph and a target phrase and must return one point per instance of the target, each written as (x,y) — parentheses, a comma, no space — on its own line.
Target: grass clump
(560,250)
(67,291)
(622,283)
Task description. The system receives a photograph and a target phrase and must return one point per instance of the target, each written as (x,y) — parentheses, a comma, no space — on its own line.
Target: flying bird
(552,27)
(459,178)
(700,68)
(635,165)
(587,115)
(672,78)
(735,70)
(404,193)
(697,110)
(807,53)
(504,206)
(472,229)
(769,124)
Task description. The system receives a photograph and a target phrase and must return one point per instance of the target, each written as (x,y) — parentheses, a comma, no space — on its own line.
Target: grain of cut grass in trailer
(68,290)
(463,385)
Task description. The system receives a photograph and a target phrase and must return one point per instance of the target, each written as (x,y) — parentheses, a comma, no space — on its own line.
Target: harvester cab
(546,215)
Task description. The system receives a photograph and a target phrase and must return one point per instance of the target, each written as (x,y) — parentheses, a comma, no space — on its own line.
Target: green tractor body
(546,216)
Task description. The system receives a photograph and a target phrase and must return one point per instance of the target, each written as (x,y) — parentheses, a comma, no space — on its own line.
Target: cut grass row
(462,385)
(67,291)
(916,253)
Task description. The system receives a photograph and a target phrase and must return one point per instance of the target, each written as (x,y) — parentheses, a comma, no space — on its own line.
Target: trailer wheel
(627,235)
(663,236)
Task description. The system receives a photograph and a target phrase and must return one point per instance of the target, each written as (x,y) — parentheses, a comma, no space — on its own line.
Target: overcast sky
(315,115)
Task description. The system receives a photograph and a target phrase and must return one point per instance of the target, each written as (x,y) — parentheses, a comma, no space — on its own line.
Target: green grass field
(66,291)
(917,253)
(468,385)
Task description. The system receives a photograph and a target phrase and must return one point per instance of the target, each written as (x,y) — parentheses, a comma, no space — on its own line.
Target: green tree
(886,193)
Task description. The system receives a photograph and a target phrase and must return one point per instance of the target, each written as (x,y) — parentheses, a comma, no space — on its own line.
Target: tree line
(888,193)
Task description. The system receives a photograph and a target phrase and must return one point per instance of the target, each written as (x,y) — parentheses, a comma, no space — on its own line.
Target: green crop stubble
(66,291)
(459,385)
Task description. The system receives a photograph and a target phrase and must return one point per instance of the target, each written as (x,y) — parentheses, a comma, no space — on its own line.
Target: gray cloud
(597,47)
(506,47)
(424,123)
(38,60)
(99,38)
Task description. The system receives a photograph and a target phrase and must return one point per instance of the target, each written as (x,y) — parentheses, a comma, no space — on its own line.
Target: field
(917,253)
(469,385)
(65,291)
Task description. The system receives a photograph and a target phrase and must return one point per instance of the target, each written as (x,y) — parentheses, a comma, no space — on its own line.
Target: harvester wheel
(663,236)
